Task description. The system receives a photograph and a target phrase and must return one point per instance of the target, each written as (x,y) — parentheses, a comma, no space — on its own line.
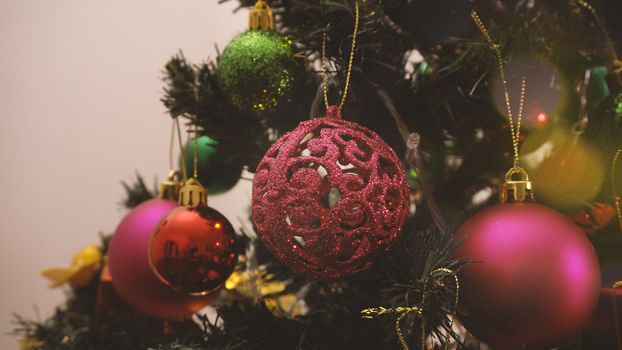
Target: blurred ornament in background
(215,172)
(84,266)
(617,105)
(329,197)
(258,70)
(128,261)
(570,172)
(597,89)
(193,249)
(594,218)
(545,98)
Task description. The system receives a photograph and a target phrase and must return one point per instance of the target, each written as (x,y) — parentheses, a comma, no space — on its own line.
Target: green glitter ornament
(214,172)
(617,105)
(258,72)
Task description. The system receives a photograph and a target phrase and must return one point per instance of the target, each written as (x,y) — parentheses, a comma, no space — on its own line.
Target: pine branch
(137,192)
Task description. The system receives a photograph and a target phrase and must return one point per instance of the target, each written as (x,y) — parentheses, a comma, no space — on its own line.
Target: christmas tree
(425,175)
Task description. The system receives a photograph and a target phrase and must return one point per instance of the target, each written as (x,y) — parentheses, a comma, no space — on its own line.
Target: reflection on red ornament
(542,118)
(193,250)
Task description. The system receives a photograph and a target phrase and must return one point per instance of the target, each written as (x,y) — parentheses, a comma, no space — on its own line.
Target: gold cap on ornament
(169,189)
(261,17)
(193,194)
(516,187)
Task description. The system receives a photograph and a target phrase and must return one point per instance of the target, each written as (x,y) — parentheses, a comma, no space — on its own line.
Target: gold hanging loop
(169,189)
(350,61)
(516,190)
(261,17)
(193,194)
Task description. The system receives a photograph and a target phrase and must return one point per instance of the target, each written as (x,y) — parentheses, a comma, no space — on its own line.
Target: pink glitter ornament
(329,197)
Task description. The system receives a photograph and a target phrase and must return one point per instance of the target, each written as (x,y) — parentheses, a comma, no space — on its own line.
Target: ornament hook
(261,17)
(516,190)
(193,194)
(169,189)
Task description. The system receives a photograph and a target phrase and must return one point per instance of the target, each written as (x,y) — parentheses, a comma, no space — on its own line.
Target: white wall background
(80,111)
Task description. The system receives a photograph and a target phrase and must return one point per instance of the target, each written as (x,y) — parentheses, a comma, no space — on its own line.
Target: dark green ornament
(214,172)
(597,88)
(258,72)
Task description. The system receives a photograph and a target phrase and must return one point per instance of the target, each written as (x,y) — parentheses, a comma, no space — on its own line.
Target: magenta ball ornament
(534,279)
(132,276)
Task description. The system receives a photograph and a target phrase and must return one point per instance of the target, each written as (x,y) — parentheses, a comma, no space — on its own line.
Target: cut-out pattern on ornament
(328,197)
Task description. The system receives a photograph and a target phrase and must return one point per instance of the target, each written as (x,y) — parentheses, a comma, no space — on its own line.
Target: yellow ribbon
(30,344)
(85,264)
(402,312)
(270,291)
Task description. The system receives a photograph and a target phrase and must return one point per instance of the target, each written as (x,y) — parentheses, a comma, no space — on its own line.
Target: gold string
(616,199)
(350,61)
(181,148)
(425,294)
(171,146)
(515,130)
(402,312)
(616,316)
(196,151)
(195,89)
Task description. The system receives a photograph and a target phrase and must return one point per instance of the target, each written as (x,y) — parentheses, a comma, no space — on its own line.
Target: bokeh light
(567,172)
(543,96)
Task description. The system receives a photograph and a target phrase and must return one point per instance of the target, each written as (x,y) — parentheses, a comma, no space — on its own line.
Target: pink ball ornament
(133,278)
(329,197)
(534,280)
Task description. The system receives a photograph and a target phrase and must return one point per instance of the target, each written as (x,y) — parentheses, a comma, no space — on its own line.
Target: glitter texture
(258,72)
(328,197)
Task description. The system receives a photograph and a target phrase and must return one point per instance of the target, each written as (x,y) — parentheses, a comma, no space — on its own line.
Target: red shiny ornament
(193,250)
(329,197)
(131,275)
(534,280)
